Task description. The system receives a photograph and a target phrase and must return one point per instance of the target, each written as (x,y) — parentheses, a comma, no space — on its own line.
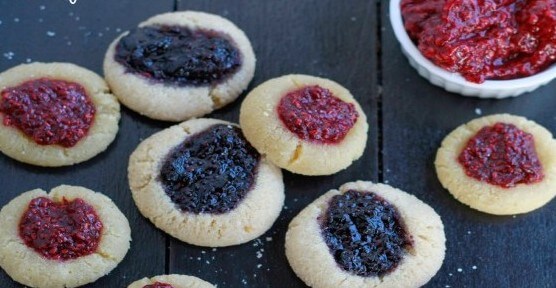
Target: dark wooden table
(348,41)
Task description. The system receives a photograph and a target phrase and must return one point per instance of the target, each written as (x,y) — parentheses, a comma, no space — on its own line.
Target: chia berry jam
(364,233)
(486,39)
(502,155)
(313,113)
(158,285)
(177,55)
(51,112)
(211,172)
(60,231)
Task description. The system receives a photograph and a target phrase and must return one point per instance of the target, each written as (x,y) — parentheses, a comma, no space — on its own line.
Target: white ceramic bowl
(453,82)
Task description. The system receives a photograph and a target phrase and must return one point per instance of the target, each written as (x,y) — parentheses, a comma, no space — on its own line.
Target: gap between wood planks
(380,155)
(167,240)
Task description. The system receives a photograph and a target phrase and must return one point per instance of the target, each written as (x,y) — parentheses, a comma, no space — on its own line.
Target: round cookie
(510,188)
(203,183)
(327,252)
(176,281)
(323,141)
(83,138)
(199,90)
(97,244)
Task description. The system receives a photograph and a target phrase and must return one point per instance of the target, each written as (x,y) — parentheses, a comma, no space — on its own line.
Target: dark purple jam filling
(179,56)
(364,233)
(211,172)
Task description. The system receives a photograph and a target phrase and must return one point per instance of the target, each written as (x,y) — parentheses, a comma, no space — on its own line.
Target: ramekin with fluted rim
(454,82)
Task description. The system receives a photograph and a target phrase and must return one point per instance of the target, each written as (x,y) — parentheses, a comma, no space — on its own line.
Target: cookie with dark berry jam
(180,65)
(366,235)
(203,175)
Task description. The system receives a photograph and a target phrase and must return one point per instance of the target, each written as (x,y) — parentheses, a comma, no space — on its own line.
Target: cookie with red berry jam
(55,114)
(180,65)
(366,235)
(305,124)
(66,238)
(203,183)
(499,164)
(171,281)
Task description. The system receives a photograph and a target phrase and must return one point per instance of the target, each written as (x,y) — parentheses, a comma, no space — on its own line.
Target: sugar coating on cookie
(203,183)
(366,235)
(180,65)
(171,281)
(55,114)
(499,164)
(66,238)
(305,124)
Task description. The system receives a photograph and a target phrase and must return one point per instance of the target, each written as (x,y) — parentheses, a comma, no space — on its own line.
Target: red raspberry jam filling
(158,285)
(60,231)
(502,155)
(486,39)
(313,113)
(364,233)
(51,112)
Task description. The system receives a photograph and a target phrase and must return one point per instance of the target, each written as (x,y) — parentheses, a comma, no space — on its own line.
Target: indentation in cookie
(313,113)
(502,155)
(158,285)
(61,230)
(364,233)
(50,111)
(210,172)
(178,55)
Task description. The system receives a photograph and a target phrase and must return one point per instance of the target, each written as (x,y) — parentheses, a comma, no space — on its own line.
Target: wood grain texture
(80,34)
(506,251)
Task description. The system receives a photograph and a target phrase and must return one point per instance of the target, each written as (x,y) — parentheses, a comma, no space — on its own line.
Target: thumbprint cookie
(66,238)
(499,164)
(304,124)
(203,183)
(180,65)
(366,235)
(55,114)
